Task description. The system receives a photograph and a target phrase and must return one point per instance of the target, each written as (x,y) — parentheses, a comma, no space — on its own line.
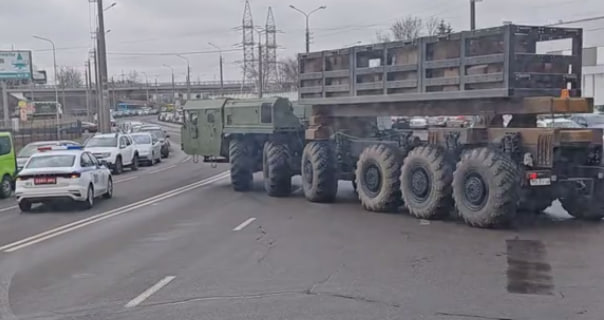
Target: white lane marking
(8,208)
(244,224)
(149,292)
(423,222)
(187,158)
(11,247)
(127,179)
(162,169)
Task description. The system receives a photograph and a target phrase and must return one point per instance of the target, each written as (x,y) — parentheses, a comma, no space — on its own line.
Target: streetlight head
(323,7)
(292,6)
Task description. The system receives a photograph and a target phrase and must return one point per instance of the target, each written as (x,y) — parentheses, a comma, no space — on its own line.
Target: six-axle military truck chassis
(485,173)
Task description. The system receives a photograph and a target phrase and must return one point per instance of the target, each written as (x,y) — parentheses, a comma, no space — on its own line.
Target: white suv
(116,149)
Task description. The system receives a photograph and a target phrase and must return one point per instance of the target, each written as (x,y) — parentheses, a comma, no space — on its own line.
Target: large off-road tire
(425,180)
(377,178)
(276,169)
(486,188)
(242,175)
(319,172)
(584,207)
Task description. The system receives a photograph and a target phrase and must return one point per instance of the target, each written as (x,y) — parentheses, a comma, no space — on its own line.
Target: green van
(8,164)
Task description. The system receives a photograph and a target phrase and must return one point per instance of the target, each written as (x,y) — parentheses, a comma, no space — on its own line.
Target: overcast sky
(152,26)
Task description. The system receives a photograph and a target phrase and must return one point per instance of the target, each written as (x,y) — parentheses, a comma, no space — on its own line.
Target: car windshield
(106,142)
(51,161)
(29,149)
(142,139)
(156,133)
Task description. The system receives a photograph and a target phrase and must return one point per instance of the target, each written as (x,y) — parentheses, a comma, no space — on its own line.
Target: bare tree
(69,77)
(288,73)
(432,25)
(444,28)
(408,28)
(383,36)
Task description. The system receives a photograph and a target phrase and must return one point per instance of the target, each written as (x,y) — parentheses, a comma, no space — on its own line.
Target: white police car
(62,173)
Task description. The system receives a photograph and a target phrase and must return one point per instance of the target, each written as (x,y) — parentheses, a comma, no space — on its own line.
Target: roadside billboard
(15,65)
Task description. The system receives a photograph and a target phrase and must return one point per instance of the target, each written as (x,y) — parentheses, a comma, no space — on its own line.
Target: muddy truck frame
(487,173)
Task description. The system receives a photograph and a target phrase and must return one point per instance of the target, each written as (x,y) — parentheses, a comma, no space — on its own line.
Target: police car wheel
(89,203)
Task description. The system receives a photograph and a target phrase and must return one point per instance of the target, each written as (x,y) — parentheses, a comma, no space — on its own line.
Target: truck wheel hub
(420,183)
(475,190)
(372,179)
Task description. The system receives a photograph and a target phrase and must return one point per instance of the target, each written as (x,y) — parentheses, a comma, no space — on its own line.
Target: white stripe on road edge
(244,224)
(124,180)
(187,158)
(162,169)
(11,247)
(8,208)
(149,292)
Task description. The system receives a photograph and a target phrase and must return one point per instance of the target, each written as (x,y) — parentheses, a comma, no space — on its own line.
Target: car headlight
(105,155)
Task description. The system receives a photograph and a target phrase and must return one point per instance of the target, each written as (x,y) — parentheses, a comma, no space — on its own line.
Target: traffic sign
(15,65)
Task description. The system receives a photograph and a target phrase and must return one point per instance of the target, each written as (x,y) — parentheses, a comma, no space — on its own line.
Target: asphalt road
(176,243)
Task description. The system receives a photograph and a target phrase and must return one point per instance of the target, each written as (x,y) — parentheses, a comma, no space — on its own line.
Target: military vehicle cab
(252,135)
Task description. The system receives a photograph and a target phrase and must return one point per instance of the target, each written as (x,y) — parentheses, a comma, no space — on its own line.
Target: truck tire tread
(241,169)
(438,202)
(387,160)
(277,171)
(320,185)
(501,178)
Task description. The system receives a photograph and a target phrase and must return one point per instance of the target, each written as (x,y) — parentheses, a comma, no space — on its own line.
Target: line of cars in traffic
(52,172)
(144,111)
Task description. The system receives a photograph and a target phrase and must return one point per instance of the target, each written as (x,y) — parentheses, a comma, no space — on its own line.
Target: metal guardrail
(141,85)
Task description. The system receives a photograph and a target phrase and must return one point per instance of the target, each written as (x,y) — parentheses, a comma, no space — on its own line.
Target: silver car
(148,147)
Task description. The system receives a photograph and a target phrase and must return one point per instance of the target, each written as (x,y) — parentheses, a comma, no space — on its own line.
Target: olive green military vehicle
(252,135)
(486,174)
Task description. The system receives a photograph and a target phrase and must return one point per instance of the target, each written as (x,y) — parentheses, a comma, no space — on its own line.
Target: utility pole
(103,112)
(146,85)
(221,72)
(86,79)
(307,15)
(260,73)
(89,107)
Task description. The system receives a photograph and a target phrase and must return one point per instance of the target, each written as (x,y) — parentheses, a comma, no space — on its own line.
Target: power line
(169,53)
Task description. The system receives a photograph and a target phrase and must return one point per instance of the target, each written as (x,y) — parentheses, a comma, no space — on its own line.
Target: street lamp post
(473,14)
(173,86)
(307,15)
(221,73)
(54,62)
(188,76)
